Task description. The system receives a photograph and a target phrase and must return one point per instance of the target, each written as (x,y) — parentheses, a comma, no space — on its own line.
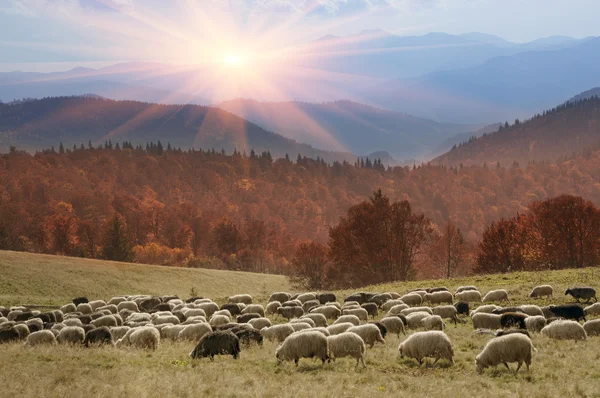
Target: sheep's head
(568,291)
(401,350)
(480,366)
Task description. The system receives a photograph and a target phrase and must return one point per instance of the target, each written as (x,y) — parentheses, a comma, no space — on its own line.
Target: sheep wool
(71,335)
(118,332)
(298,326)
(422,345)
(304,320)
(369,332)
(499,295)
(470,296)
(446,312)
(41,337)
(412,299)
(353,319)
(440,297)
(541,291)
(272,307)
(217,320)
(277,332)
(338,328)
(535,323)
(303,345)
(506,349)
(393,325)
(241,298)
(318,319)
(415,319)
(194,332)
(565,330)
(593,309)
(279,296)
(329,311)
(592,328)
(416,309)
(391,303)
(145,337)
(486,321)
(433,322)
(361,313)
(347,345)
(259,323)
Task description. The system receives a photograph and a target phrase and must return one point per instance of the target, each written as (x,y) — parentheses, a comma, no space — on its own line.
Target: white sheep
(432,343)
(40,337)
(241,298)
(347,345)
(338,328)
(194,319)
(116,300)
(393,324)
(106,320)
(128,305)
(535,323)
(514,347)
(23,330)
(254,308)
(84,308)
(259,323)
(330,311)
(485,309)
(353,319)
(470,296)
(97,304)
(592,327)
(438,297)
(118,332)
(279,296)
(171,332)
(304,320)
(36,322)
(72,322)
(197,312)
(397,309)
(143,337)
(272,307)
(464,288)
(414,320)
(110,307)
(194,332)
(318,319)
(361,313)
(369,332)
(531,309)
(499,295)
(218,320)
(593,309)
(166,319)
(71,335)
(68,308)
(303,345)
(564,330)
(277,332)
(412,299)
(208,307)
(139,317)
(395,295)
(391,303)
(420,292)
(416,309)
(298,326)
(306,297)
(433,322)
(446,312)
(541,291)
(486,321)
(322,330)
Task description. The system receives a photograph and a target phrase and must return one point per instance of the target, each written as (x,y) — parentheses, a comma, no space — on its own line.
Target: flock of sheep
(316,326)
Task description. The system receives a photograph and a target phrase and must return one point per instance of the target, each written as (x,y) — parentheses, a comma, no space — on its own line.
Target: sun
(235,60)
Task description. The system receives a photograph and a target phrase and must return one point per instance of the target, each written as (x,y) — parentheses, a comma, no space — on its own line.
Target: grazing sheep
(23,330)
(382,328)
(461,289)
(145,337)
(116,300)
(593,309)
(351,304)
(254,309)
(9,335)
(505,332)
(98,336)
(371,309)
(128,305)
(249,336)
(437,289)
(80,300)
(568,311)
(420,292)
(412,310)
(292,303)
(139,317)
(298,326)
(323,331)
(325,298)
(535,323)
(221,342)
(486,321)
(304,320)
(541,291)
(499,295)
(415,320)
(592,328)
(397,309)
(339,328)
(233,308)
(380,299)
(197,312)
(504,310)
(277,332)
(347,345)
(470,296)
(241,298)
(391,303)
(579,293)
(433,322)
(72,322)
(439,297)
(97,304)
(303,345)
(209,308)
(291,312)
(309,305)
(217,320)
(194,319)
(110,307)
(40,338)
(35,322)
(84,308)
(194,332)
(118,332)
(565,330)
(513,319)
(244,318)
(485,309)
(259,323)
(446,312)
(432,343)
(514,347)
(369,332)
(279,296)
(166,319)
(412,299)
(106,320)
(361,313)
(329,311)
(358,297)
(304,297)
(393,324)
(71,335)
(170,332)
(531,309)
(318,319)
(272,307)
(68,308)
(353,319)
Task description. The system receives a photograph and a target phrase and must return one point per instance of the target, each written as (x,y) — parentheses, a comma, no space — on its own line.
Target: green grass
(559,369)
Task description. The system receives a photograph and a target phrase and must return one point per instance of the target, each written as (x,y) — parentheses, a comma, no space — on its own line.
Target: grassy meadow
(560,368)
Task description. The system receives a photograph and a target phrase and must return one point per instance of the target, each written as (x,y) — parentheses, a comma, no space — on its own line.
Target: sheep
(128,305)
(339,328)
(504,332)
(438,297)
(514,347)
(325,298)
(166,319)
(486,321)
(194,319)
(391,303)
(535,323)
(531,310)
(504,310)
(146,337)
(249,336)
(110,307)
(40,337)
(470,296)
(593,309)
(412,310)
(259,323)
(292,303)
(309,305)
(209,308)
(106,320)
(118,332)
(499,295)
(23,330)
(221,342)
(79,300)
(513,319)
(371,309)
(358,297)
(97,304)
(35,323)
(568,311)
(139,317)
(98,336)
(272,307)
(485,309)
(592,328)
(198,312)
(361,313)
(73,322)
(347,345)
(279,296)
(420,292)
(412,299)
(298,326)
(380,299)
(369,332)
(433,322)
(353,319)
(351,304)
(432,343)
(3,320)
(565,330)
(290,312)
(217,320)
(71,335)
(9,335)
(415,319)
(397,309)
(318,319)
(446,312)
(306,297)
(541,291)
(171,332)
(303,345)
(304,320)
(84,308)
(68,308)
(461,289)
(334,304)
(329,311)
(244,318)
(393,325)
(277,332)
(578,293)
(321,330)
(116,300)
(194,332)
(240,298)
(85,319)
(254,309)
(437,289)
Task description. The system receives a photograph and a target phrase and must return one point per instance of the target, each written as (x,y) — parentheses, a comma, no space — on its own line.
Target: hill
(562,131)
(42,123)
(594,92)
(348,126)
(51,280)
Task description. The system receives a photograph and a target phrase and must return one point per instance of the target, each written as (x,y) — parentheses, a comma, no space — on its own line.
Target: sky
(44,35)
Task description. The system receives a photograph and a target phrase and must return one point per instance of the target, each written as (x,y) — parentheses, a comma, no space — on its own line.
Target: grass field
(560,368)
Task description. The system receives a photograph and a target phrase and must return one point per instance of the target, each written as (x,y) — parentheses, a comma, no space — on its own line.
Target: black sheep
(226,326)
(23,316)
(98,336)
(149,304)
(85,319)
(46,317)
(507,309)
(358,297)
(192,299)
(568,311)
(233,308)
(221,342)
(244,318)
(325,298)
(87,328)
(586,293)
(287,312)
(80,300)
(382,328)
(513,319)
(371,308)
(248,336)
(34,327)
(8,335)
(462,307)
(162,307)
(380,299)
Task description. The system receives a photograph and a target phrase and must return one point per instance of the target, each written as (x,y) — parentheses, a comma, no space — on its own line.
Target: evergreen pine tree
(116,244)
(61,148)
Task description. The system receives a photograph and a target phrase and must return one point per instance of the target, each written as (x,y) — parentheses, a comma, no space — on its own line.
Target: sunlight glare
(235,60)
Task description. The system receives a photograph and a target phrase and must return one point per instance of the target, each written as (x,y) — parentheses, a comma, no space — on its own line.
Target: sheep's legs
(518,366)
(507,367)
(434,362)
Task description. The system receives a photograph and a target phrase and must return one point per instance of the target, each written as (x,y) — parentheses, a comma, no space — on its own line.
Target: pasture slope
(559,369)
